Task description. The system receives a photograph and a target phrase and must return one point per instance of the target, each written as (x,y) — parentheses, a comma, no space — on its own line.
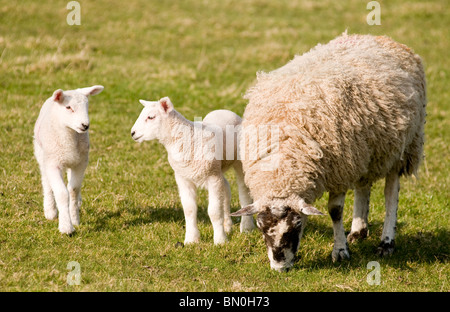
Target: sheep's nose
(85,127)
(133,133)
(282,269)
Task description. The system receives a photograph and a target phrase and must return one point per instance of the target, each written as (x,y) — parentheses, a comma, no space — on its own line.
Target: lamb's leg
(360,223)
(216,190)
(335,208)
(247,223)
(50,210)
(227,222)
(391,190)
(75,177)
(61,194)
(188,196)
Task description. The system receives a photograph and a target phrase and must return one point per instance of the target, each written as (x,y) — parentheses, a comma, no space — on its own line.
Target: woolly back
(348,112)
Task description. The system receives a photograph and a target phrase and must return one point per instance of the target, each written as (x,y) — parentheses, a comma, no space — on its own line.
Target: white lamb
(199,153)
(61,142)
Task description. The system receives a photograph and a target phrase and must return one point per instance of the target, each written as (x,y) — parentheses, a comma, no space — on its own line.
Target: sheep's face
(282,228)
(282,224)
(73,107)
(148,126)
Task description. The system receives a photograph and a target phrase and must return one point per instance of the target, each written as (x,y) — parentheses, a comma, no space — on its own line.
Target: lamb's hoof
(220,240)
(386,248)
(340,254)
(51,214)
(191,241)
(357,236)
(75,221)
(192,237)
(66,229)
(228,226)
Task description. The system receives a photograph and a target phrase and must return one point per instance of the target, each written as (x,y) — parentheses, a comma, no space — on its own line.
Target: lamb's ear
(58,96)
(309,210)
(246,211)
(144,102)
(94,90)
(166,105)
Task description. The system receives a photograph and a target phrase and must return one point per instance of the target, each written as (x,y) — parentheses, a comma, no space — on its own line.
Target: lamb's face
(72,107)
(74,111)
(282,228)
(149,123)
(282,222)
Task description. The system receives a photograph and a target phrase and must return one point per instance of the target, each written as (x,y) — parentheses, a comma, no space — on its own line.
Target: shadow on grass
(419,247)
(129,215)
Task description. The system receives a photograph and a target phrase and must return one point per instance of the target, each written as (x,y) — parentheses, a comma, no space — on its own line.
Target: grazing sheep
(348,113)
(61,143)
(199,153)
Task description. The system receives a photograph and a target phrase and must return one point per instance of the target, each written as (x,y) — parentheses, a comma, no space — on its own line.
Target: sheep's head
(73,107)
(148,125)
(282,222)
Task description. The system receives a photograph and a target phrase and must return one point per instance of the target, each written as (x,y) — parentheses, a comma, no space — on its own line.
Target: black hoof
(340,254)
(386,248)
(357,236)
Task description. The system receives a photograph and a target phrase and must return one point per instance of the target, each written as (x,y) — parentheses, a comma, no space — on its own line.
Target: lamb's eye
(68,108)
(150,117)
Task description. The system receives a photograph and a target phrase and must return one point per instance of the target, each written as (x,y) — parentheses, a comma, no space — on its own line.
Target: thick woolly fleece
(349,112)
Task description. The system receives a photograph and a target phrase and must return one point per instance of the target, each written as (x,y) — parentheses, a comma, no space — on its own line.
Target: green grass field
(203,55)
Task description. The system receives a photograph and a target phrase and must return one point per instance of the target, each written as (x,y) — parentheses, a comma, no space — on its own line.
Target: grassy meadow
(203,55)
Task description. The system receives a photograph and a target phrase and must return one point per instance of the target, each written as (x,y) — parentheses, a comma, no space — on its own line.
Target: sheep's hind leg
(216,190)
(391,190)
(335,208)
(75,177)
(188,196)
(360,227)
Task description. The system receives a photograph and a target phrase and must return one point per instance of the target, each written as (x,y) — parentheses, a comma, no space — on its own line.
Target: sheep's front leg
(188,196)
(391,190)
(335,208)
(227,222)
(55,178)
(75,177)
(50,210)
(216,190)
(360,227)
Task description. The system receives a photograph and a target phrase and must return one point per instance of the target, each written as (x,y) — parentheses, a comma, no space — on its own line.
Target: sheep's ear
(58,96)
(166,105)
(246,211)
(144,102)
(94,90)
(309,210)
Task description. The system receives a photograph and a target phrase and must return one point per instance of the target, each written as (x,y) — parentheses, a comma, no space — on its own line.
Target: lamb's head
(148,126)
(282,222)
(72,107)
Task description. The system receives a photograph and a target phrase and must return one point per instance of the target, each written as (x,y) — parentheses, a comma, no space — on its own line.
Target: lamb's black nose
(132,133)
(85,127)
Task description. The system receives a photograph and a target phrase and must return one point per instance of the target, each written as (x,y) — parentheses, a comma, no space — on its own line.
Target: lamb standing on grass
(199,153)
(349,113)
(61,142)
